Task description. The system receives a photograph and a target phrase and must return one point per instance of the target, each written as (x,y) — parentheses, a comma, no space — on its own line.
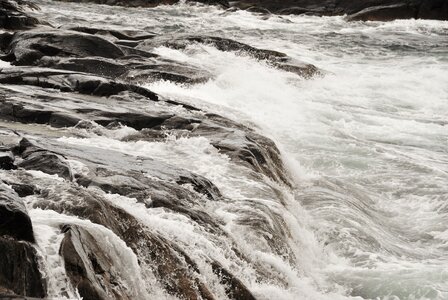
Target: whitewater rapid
(366,143)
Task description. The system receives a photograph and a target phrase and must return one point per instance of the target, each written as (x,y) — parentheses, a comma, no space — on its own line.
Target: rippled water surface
(367,142)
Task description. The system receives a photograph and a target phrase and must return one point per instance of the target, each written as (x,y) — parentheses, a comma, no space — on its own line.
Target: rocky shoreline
(65,81)
(72,82)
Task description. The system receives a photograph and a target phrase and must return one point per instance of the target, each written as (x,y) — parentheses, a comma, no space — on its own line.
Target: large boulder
(19,267)
(103,52)
(85,261)
(19,270)
(13,15)
(29,46)
(90,269)
(14,219)
(6,159)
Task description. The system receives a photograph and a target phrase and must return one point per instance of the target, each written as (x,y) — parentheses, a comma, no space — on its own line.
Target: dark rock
(134,120)
(22,189)
(433,9)
(385,13)
(90,270)
(275,58)
(68,81)
(239,142)
(243,144)
(5,40)
(201,185)
(19,270)
(14,219)
(94,65)
(13,16)
(235,289)
(6,160)
(257,9)
(125,34)
(175,270)
(81,51)
(36,158)
(223,44)
(141,69)
(29,46)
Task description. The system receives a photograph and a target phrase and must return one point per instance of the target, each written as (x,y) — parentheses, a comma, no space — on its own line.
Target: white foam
(367,145)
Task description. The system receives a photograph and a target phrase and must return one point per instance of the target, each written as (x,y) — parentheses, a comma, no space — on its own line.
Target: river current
(366,144)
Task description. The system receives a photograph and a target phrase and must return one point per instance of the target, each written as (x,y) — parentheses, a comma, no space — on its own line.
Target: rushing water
(367,144)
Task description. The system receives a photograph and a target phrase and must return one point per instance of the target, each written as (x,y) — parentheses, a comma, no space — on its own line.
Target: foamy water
(367,145)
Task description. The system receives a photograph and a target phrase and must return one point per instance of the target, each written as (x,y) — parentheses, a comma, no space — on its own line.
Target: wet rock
(78,51)
(235,289)
(140,69)
(385,13)
(90,270)
(94,65)
(6,160)
(275,58)
(36,158)
(243,144)
(67,81)
(223,44)
(14,219)
(29,46)
(23,190)
(173,268)
(13,16)
(239,142)
(19,270)
(124,34)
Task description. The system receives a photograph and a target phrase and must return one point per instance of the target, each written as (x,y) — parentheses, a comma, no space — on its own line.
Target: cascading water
(366,144)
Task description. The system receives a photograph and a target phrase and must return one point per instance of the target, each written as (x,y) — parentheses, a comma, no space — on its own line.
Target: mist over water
(366,143)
